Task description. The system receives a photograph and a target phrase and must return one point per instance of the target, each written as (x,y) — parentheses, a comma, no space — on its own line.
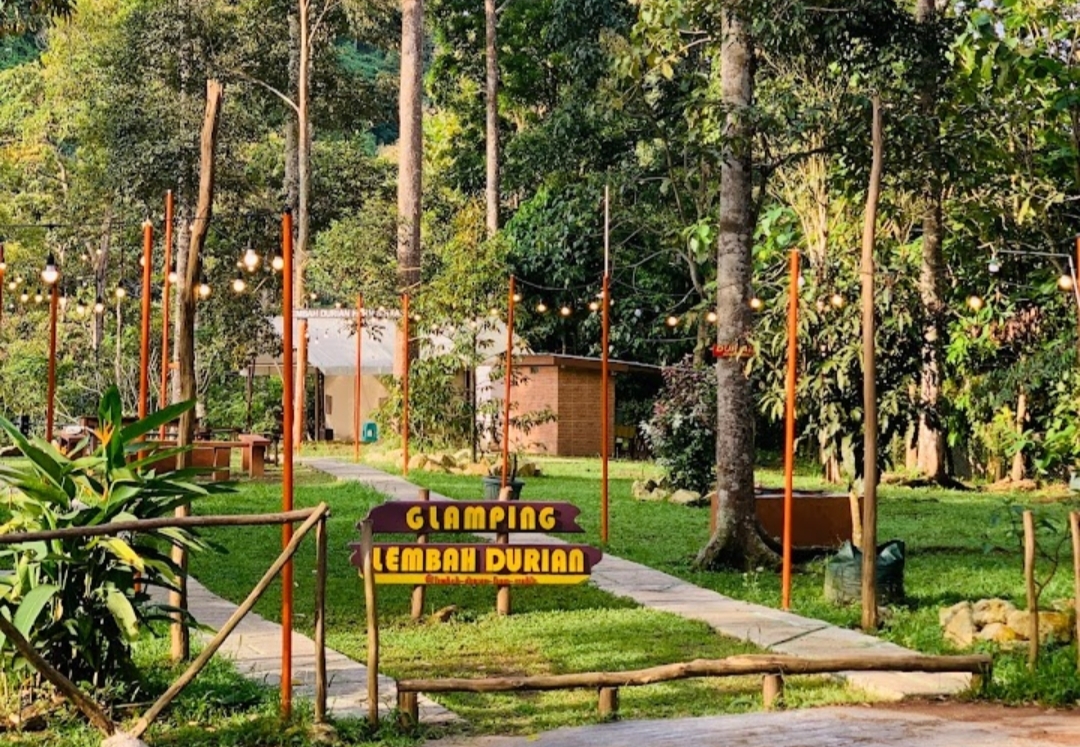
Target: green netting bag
(843,574)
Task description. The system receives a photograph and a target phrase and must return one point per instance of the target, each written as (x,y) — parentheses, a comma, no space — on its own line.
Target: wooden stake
(870,423)
(772,690)
(1032,592)
(789,428)
(1074,526)
(609,702)
(418,590)
(211,648)
(367,542)
(502,596)
(408,706)
(320,622)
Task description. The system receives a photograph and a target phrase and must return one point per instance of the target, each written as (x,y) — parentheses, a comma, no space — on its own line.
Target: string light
(120,292)
(801,281)
(173,277)
(594,306)
(314,296)
(63,302)
(837,300)
(99,306)
(711,317)
(493,312)
(12,285)
(204,288)
(819,305)
(251,260)
(542,307)
(24,297)
(80,309)
(994,267)
(565,311)
(672,321)
(278,263)
(517,298)
(50,274)
(37,296)
(755,303)
(239,285)
(1065,282)
(975,302)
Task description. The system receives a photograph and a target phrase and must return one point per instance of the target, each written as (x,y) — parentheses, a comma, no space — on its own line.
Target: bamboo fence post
(80,700)
(320,621)
(211,648)
(418,590)
(1032,594)
(772,690)
(367,542)
(408,709)
(1074,526)
(609,702)
(502,595)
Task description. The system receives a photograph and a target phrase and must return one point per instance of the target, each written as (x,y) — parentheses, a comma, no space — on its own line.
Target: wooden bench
(253,455)
(213,455)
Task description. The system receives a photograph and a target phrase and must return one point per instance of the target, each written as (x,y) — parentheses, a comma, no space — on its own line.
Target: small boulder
(463,457)
(946,613)
(642,489)
(997,632)
(987,611)
(476,470)
(444,459)
(960,627)
(417,461)
(686,498)
(1053,626)
(430,466)
(121,739)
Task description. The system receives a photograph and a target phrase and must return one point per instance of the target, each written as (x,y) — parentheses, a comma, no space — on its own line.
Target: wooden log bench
(253,454)
(772,667)
(213,455)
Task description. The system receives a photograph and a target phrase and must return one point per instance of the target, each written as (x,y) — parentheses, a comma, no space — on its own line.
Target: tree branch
(244,76)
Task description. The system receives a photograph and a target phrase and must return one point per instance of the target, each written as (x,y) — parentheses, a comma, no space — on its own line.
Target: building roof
(584,362)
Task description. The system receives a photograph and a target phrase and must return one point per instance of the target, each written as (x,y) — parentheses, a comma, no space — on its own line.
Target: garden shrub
(682,430)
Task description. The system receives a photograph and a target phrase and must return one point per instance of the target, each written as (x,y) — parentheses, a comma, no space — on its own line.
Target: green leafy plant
(682,431)
(81,601)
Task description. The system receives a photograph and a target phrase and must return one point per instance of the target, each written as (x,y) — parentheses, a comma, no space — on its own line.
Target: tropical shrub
(81,601)
(682,431)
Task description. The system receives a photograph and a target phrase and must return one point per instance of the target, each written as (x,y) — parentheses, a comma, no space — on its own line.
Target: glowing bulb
(251,260)
(975,302)
(802,281)
(3,266)
(80,309)
(593,306)
(238,285)
(837,300)
(672,321)
(1065,282)
(517,298)
(12,285)
(50,274)
(314,295)
(37,296)
(755,303)
(711,317)
(337,305)
(493,312)
(99,306)
(120,292)
(541,307)
(173,277)
(24,297)
(204,290)
(278,263)
(565,311)
(63,302)
(995,267)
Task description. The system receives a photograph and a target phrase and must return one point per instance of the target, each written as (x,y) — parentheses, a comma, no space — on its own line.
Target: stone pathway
(817,727)
(255,649)
(772,629)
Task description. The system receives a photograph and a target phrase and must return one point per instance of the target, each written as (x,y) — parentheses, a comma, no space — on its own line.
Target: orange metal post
(405,384)
(605,408)
(505,478)
(50,406)
(789,426)
(144,331)
(163,399)
(287,458)
(359,359)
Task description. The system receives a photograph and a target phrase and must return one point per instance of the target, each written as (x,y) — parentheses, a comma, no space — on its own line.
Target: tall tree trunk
(736,541)
(181,289)
(870,420)
(185,341)
(492,117)
(931,442)
(410,152)
(1016,474)
(303,223)
(101,266)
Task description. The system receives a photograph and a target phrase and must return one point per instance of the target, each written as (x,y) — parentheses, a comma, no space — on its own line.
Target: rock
(1053,626)
(946,613)
(960,627)
(120,739)
(1064,605)
(660,494)
(642,489)
(324,734)
(444,459)
(417,461)
(686,498)
(476,470)
(430,466)
(987,611)
(463,457)
(444,614)
(997,632)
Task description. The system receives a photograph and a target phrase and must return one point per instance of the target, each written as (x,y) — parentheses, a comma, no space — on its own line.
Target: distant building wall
(338,403)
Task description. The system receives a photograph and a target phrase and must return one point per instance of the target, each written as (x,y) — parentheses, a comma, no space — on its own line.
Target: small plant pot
(492,486)
(1074,480)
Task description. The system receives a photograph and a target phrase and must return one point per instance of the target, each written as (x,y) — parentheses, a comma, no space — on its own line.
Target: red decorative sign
(425,517)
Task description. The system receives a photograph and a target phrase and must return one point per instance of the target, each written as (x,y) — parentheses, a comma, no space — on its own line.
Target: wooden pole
(50,404)
(1032,591)
(608,705)
(405,384)
(789,427)
(504,479)
(144,329)
(287,455)
(772,690)
(418,590)
(1074,526)
(870,424)
(359,368)
(67,688)
(238,614)
(320,622)
(502,595)
(163,399)
(605,336)
(367,542)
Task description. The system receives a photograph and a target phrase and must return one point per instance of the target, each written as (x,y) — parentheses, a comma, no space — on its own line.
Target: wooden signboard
(477,564)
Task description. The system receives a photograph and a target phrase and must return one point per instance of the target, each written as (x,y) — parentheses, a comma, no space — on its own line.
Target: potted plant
(493,481)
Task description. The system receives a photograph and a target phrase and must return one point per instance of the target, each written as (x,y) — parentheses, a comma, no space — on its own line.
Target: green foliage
(682,431)
(439,413)
(76,599)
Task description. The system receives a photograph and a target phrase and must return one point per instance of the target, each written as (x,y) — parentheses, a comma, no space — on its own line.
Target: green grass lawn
(553,629)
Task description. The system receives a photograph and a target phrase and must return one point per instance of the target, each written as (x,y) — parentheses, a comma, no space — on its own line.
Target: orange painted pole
(144,331)
(789,426)
(605,407)
(50,406)
(504,480)
(163,399)
(405,384)
(359,360)
(287,457)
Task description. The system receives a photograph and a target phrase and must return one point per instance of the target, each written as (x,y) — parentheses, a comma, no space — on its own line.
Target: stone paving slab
(819,727)
(769,628)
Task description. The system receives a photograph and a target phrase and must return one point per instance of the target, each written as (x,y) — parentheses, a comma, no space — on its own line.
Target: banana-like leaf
(155,421)
(122,612)
(29,609)
(123,552)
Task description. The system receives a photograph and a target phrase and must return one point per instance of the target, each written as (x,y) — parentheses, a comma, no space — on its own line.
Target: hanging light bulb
(837,300)
(80,309)
(63,301)
(755,303)
(801,281)
(37,296)
(12,285)
(24,297)
(565,311)
(672,321)
(278,263)
(1065,282)
(711,317)
(239,285)
(542,307)
(314,295)
(337,304)
(120,292)
(995,266)
(50,274)
(99,306)
(975,303)
(204,287)
(251,260)
(493,311)
(594,306)
(173,277)
(517,298)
